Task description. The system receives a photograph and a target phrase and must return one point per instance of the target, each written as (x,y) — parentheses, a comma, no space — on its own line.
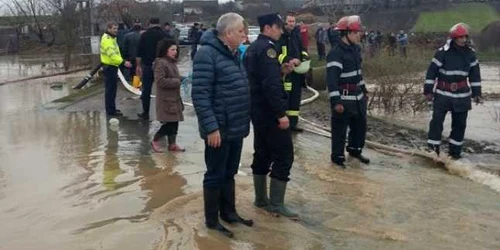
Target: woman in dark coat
(169,105)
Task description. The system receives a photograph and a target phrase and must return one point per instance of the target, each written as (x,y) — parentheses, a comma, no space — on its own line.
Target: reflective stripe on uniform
(292,112)
(305,53)
(433,142)
(475,84)
(453,95)
(288,86)
(361,83)
(284,53)
(453,72)
(472,64)
(334,64)
(456,143)
(437,62)
(334,93)
(352,97)
(350,74)
(428,81)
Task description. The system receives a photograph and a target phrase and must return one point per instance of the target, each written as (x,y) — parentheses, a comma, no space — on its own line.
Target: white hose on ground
(137,91)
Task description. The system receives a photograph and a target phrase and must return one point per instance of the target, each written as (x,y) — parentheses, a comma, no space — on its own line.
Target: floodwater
(70,181)
(18,67)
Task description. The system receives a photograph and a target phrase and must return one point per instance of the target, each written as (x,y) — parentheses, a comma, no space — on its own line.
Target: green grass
(476,15)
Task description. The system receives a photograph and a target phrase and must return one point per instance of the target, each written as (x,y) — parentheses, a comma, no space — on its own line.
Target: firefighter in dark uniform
(347,92)
(291,50)
(452,79)
(272,135)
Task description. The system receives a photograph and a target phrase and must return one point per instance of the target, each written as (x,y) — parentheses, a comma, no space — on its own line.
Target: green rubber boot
(277,200)
(260,187)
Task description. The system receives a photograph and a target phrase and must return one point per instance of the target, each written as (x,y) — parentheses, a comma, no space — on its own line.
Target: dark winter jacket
(130,45)
(294,46)
(344,75)
(220,91)
(458,76)
(147,44)
(269,99)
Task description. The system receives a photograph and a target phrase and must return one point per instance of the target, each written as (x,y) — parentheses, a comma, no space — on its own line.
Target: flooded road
(70,181)
(18,67)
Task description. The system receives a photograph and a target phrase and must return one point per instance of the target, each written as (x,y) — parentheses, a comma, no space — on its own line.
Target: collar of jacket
(346,46)
(262,36)
(211,39)
(109,34)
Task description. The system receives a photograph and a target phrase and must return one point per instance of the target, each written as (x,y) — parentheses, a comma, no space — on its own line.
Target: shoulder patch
(271,53)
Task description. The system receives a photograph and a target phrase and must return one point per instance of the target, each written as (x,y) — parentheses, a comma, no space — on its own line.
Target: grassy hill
(476,15)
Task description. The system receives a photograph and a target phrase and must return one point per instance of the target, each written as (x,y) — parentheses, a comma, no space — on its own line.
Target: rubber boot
(277,200)
(360,157)
(228,205)
(260,187)
(338,161)
(172,145)
(434,148)
(211,198)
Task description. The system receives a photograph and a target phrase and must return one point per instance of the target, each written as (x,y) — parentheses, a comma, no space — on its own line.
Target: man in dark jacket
(456,69)
(272,135)
(146,54)
(291,50)
(194,38)
(321,37)
(347,89)
(221,100)
(130,45)
(333,35)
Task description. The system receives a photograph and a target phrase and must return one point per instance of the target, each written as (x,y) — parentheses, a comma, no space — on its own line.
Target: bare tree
(35,14)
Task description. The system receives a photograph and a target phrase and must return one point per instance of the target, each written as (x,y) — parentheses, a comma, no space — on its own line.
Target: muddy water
(70,181)
(17,67)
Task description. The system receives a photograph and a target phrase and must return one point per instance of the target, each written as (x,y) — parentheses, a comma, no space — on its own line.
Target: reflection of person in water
(111,163)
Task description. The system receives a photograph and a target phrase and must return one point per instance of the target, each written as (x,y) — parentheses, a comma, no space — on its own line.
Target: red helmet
(350,23)
(459,30)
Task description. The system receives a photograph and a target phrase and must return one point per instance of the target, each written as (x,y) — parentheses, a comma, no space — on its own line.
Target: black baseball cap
(270,19)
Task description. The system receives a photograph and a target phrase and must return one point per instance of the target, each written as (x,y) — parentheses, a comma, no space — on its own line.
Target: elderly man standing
(221,99)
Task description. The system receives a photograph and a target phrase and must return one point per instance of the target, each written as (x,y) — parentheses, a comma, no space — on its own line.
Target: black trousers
(111,81)
(194,49)
(147,85)
(321,50)
(294,97)
(167,128)
(222,163)
(354,118)
(458,125)
(273,151)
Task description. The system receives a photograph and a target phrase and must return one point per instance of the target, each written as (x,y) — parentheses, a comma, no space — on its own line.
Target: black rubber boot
(211,197)
(228,205)
(434,148)
(360,157)
(338,161)
(277,200)
(455,156)
(260,187)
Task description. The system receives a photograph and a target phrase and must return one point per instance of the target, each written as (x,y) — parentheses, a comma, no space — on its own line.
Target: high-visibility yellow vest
(110,52)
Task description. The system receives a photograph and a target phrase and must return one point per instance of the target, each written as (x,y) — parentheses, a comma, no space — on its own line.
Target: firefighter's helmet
(349,23)
(459,30)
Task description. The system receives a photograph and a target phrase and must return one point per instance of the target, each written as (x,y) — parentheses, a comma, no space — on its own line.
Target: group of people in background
(373,41)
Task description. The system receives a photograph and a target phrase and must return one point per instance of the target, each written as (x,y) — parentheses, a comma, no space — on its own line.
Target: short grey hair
(228,22)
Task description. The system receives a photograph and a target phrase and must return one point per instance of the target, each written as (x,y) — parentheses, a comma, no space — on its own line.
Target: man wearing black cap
(272,135)
(146,54)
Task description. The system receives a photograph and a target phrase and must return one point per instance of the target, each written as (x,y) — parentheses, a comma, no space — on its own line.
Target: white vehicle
(253,33)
